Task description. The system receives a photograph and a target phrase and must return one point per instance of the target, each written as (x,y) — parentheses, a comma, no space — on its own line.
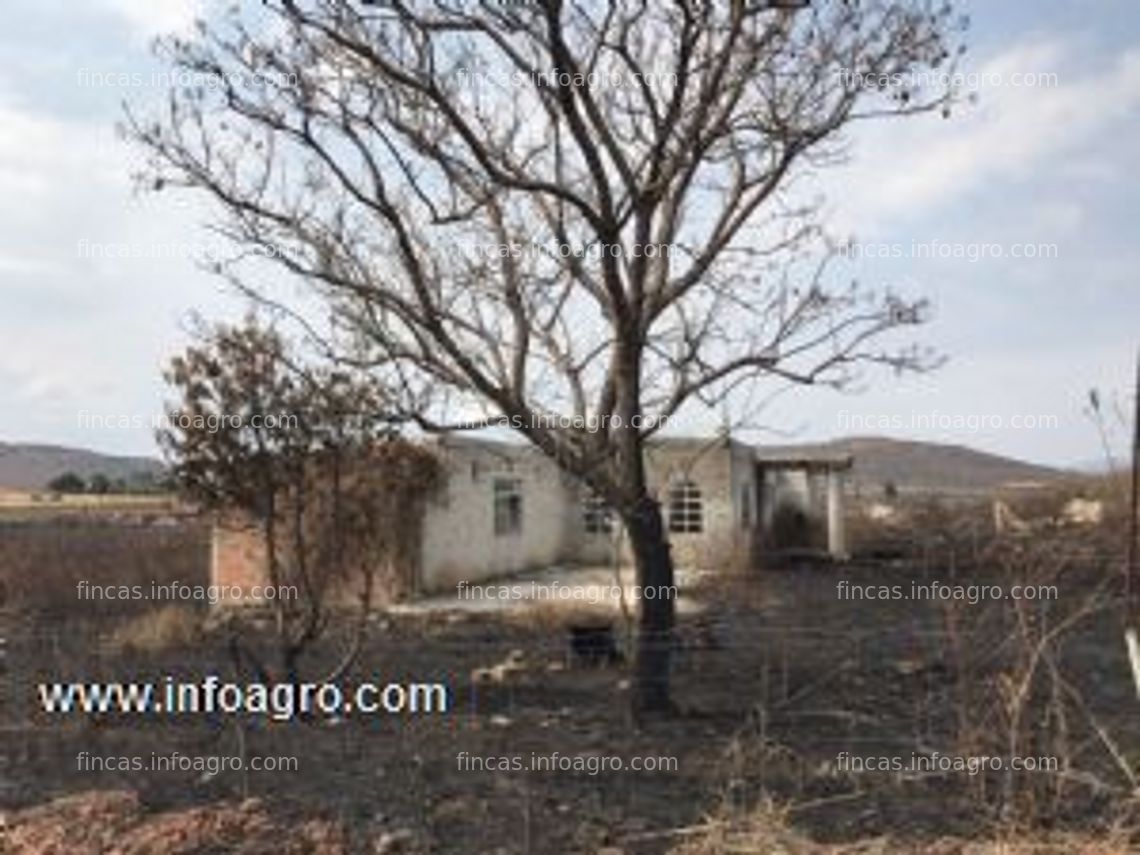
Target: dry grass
(924,527)
(557,616)
(95,822)
(46,501)
(1001,673)
(42,561)
(1112,490)
(166,628)
(768,829)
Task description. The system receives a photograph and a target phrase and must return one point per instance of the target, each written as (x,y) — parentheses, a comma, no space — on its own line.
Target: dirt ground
(775,676)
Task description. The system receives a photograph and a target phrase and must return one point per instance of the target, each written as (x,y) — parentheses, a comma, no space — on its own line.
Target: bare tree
(574,218)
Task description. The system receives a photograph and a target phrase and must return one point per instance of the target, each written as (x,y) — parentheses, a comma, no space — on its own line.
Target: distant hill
(31,467)
(1121,462)
(927,465)
(910,465)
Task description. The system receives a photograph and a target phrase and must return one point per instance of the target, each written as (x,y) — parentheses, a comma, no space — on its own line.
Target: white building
(506,508)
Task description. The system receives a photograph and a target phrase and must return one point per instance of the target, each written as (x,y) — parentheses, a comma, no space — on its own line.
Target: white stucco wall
(709,465)
(460,543)
(746,505)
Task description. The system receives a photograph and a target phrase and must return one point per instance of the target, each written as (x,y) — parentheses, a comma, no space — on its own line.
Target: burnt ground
(775,676)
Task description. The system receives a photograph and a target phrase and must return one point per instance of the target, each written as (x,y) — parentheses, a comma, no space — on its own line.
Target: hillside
(31,467)
(910,465)
(927,465)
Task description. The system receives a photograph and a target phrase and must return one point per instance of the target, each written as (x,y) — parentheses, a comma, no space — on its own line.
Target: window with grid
(686,514)
(596,515)
(508,506)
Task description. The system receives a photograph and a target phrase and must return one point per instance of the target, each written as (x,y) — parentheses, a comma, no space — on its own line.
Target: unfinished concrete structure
(801,503)
(506,508)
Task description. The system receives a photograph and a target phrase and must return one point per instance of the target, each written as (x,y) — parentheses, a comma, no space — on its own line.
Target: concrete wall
(746,503)
(708,464)
(460,542)
(585,547)
(459,539)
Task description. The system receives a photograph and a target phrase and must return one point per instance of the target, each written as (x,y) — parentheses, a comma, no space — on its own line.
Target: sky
(1017,217)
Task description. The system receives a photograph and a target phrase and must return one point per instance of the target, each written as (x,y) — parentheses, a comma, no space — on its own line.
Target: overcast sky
(1044,164)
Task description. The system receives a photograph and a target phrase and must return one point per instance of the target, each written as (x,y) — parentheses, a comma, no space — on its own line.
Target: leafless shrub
(1015,693)
(305,458)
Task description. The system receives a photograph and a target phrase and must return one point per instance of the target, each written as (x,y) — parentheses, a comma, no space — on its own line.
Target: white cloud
(149,18)
(83,331)
(39,153)
(901,171)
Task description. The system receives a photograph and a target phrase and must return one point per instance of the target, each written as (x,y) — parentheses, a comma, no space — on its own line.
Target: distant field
(45,551)
(19,504)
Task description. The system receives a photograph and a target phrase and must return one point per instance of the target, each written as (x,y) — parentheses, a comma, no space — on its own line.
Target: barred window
(508,506)
(686,513)
(597,518)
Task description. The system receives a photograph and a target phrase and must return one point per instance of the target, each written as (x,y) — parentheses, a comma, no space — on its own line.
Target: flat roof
(822,461)
(782,459)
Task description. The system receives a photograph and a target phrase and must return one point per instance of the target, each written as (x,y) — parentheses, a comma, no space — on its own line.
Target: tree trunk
(654,566)
(641,515)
